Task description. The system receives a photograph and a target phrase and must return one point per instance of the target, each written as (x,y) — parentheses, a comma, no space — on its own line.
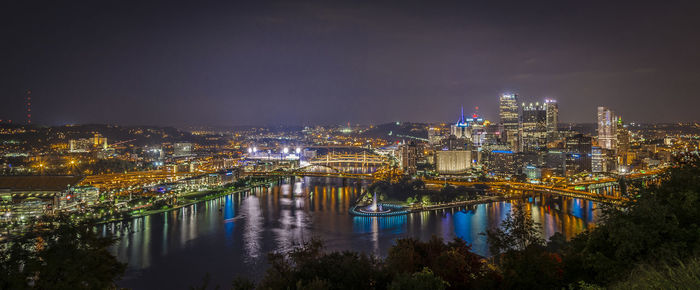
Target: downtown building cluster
(529,142)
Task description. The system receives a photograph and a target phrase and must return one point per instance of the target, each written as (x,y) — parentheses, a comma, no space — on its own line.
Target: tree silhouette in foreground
(659,226)
(516,233)
(60,254)
(520,252)
(411,264)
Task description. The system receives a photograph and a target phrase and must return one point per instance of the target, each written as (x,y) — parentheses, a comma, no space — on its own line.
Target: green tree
(60,254)
(517,232)
(522,257)
(532,268)
(660,225)
(453,262)
(418,281)
(308,267)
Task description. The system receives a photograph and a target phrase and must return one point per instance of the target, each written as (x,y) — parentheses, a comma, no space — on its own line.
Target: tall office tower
(461,128)
(578,148)
(598,160)
(534,127)
(552,119)
(623,145)
(408,156)
(607,135)
(508,113)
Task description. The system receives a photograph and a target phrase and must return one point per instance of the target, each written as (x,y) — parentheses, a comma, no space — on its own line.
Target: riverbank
(207,195)
(455,204)
(402,209)
(275,220)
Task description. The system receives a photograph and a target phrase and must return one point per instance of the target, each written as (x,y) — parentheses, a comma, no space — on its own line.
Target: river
(232,235)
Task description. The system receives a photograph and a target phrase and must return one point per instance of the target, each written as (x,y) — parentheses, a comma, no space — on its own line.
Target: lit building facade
(623,146)
(534,127)
(453,162)
(509,118)
(552,111)
(578,153)
(461,129)
(503,162)
(601,160)
(607,128)
(408,157)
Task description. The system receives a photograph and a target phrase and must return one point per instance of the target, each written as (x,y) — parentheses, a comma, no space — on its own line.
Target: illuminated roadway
(129,180)
(509,186)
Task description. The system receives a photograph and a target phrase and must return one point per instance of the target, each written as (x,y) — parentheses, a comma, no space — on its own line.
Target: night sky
(269,63)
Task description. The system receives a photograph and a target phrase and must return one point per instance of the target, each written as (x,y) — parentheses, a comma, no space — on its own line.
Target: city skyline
(306,63)
(349,144)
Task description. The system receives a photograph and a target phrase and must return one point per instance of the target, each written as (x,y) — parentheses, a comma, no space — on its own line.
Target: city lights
(338,144)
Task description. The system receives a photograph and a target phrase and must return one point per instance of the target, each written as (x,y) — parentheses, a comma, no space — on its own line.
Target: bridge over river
(603,190)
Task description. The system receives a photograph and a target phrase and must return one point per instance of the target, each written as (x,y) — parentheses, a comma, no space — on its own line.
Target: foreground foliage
(678,276)
(661,225)
(658,227)
(651,242)
(60,254)
(411,264)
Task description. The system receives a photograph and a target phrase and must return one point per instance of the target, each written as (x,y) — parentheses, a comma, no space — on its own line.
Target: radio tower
(29,107)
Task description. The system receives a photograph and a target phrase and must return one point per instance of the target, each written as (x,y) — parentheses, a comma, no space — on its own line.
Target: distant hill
(397,131)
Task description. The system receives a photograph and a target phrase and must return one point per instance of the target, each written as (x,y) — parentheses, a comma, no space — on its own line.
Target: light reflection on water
(231,235)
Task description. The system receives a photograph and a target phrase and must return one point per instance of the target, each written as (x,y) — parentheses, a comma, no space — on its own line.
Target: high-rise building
(623,144)
(534,127)
(607,126)
(578,153)
(598,160)
(461,128)
(509,118)
(503,162)
(555,161)
(552,119)
(408,157)
(602,160)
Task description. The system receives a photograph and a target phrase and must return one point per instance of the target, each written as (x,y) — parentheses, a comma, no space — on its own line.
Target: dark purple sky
(259,62)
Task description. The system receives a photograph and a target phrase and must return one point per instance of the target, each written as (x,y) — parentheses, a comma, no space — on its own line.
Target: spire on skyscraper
(462,120)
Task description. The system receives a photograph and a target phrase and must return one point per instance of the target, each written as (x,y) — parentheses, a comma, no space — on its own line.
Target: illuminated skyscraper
(552,119)
(508,113)
(578,148)
(607,133)
(623,144)
(407,155)
(461,128)
(534,127)
(598,160)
